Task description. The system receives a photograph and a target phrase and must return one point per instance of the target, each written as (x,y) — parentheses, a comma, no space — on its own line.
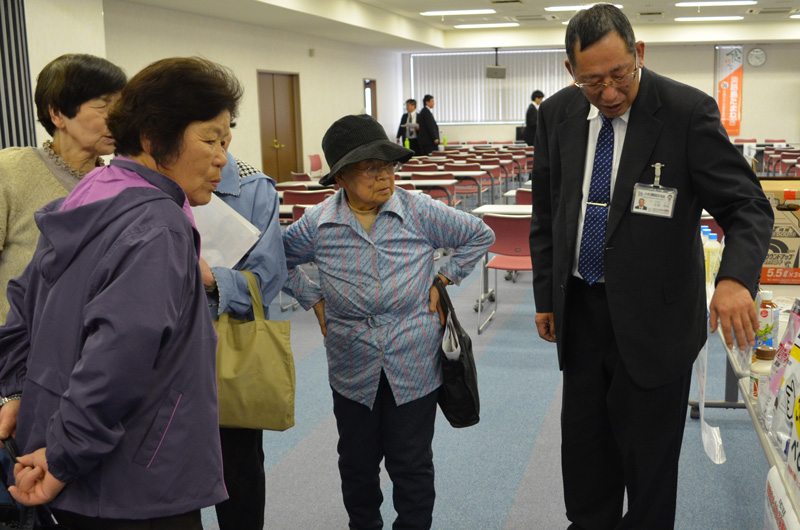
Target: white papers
(225,235)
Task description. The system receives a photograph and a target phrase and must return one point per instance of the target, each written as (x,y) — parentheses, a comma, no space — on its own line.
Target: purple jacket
(110,342)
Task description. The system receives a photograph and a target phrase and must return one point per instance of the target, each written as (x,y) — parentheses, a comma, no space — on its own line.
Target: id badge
(654,199)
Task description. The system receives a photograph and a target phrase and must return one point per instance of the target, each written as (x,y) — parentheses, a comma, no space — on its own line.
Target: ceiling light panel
(575,8)
(707,19)
(474,26)
(458,12)
(717,3)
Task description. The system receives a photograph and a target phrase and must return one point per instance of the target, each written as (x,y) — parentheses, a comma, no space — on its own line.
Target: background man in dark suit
(409,126)
(626,343)
(530,116)
(428,133)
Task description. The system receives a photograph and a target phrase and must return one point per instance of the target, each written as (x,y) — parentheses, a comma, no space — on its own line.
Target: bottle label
(766,327)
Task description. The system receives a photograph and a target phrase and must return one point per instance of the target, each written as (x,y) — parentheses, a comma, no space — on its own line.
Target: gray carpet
(504,472)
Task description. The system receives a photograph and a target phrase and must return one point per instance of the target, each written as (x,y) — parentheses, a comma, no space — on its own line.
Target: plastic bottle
(407,144)
(767,320)
(704,231)
(711,250)
(760,369)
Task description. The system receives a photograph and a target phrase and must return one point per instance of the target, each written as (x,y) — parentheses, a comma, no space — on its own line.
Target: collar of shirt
(339,212)
(230,183)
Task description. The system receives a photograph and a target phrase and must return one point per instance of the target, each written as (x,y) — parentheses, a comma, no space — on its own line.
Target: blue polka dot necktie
(590,259)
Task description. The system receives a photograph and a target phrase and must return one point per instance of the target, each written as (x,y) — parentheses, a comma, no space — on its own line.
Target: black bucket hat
(352,139)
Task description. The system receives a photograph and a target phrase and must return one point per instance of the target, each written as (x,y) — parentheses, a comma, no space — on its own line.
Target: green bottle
(407,144)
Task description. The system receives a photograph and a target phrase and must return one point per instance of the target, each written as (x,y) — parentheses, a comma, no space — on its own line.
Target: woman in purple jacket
(109,339)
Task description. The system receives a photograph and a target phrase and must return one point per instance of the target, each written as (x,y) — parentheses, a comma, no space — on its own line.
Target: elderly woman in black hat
(374,248)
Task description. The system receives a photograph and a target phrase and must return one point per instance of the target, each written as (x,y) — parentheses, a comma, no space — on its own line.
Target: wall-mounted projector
(495,72)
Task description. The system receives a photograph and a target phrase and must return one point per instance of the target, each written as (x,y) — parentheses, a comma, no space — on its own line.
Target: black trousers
(74,521)
(402,437)
(413,144)
(617,437)
(243,469)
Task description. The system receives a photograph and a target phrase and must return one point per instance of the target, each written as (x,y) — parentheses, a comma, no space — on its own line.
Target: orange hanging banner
(729,75)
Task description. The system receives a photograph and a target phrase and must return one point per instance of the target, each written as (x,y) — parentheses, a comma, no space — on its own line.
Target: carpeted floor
(503,473)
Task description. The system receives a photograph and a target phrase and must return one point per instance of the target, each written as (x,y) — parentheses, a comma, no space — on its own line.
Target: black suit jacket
(654,274)
(530,124)
(428,131)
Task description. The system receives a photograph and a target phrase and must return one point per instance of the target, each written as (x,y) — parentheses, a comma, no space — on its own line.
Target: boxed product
(782,264)
(778,513)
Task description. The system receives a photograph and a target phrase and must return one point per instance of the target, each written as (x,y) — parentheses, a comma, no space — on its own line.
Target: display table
(774,458)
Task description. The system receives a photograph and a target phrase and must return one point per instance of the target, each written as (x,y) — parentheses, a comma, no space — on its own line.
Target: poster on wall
(729,87)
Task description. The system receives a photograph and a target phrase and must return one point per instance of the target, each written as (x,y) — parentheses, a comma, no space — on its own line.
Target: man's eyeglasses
(617,82)
(373,172)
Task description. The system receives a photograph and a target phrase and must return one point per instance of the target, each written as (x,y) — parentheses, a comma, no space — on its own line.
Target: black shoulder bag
(458,395)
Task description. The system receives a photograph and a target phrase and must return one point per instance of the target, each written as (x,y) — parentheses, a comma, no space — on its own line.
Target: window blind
(463,94)
(16,100)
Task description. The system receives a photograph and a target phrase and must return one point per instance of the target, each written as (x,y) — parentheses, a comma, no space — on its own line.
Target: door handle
(276,145)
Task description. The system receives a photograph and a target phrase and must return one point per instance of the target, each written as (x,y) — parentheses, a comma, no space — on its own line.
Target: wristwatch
(12,397)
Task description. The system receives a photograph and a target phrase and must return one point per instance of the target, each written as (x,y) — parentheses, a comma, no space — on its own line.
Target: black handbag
(14,516)
(458,395)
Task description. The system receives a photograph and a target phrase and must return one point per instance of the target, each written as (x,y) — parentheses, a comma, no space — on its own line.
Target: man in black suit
(409,124)
(428,133)
(628,331)
(530,116)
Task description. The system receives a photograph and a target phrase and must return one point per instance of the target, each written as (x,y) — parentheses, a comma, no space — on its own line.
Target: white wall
(56,27)
(134,35)
(770,102)
(331,82)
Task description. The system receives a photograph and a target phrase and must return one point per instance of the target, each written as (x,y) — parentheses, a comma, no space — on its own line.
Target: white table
(473,176)
(468,175)
(309,184)
(503,209)
(743,375)
(436,184)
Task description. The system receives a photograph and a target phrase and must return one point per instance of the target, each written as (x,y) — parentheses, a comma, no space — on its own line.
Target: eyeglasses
(373,172)
(616,82)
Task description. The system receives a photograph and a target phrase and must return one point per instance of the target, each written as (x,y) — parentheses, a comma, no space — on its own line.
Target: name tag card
(654,199)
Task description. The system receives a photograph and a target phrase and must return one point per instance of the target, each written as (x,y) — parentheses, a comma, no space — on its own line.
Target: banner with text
(729,76)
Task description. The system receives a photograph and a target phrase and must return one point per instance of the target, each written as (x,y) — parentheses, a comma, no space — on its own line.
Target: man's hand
(8,419)
(34,484)
(733,307)
(546,326)
(319,310)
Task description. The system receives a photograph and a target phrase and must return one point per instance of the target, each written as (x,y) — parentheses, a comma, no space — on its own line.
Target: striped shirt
(376,288)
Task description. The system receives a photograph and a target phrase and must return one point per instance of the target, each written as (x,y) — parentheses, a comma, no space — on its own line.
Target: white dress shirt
(620,125)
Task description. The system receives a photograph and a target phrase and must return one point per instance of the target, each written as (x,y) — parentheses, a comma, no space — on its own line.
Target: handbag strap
(255,295)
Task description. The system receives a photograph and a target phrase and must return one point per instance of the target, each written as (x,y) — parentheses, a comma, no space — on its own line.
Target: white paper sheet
(225,235)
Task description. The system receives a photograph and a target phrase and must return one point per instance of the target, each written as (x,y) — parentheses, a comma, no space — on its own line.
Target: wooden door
(279,125)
